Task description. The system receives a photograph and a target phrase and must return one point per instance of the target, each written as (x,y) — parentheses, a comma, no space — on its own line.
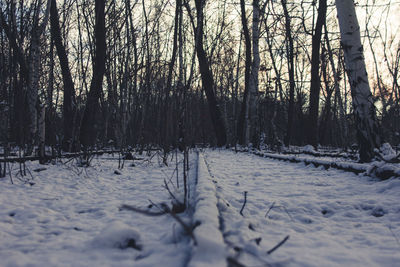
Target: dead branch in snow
(270,208)
(244,203)
(278,245)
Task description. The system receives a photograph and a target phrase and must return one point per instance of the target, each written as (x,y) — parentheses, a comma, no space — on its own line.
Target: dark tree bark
(69,90)
(17,50)
(243,116)
(315,77)
(290,56)
(207,78)
(88,130)
(166,121)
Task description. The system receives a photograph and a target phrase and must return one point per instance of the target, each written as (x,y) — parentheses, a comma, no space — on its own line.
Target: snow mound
(387,149)
(387,152)
(210,249)
(308,148)
(118,235)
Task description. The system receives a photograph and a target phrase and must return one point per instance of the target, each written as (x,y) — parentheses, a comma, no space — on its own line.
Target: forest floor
(245,211)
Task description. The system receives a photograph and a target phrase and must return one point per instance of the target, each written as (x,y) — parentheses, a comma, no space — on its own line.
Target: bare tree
(364,109)
(88,131)
(290,57)
(69,90)
(315,77)
(207,78)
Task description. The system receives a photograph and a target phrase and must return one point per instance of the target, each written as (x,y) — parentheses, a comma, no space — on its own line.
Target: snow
(117,235)
(210,248)
(308,148)
(71,216)
(332,217)
(387,152)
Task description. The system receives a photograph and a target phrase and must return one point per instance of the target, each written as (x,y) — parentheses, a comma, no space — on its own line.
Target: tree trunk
(33,84)
(207,78)
(165,127)
(252,131)
(69,90)
(363,106)
(88,131)
(315,77)
(244,112)
(290,57)
(342,117)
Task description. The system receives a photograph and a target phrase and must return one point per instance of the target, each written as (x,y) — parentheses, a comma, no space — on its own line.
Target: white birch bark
(33,86)
(364,109)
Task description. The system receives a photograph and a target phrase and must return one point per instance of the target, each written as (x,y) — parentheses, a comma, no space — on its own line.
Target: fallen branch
(320,154)
(381,172)
(269,252)
(244,203)
(141,211)
(270,208)
(66,155)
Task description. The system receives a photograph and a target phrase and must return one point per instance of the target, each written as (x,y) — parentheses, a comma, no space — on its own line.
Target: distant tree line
(78,75)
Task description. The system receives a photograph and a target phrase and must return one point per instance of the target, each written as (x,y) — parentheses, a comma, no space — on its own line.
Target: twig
(283,207)
(9,172)
(278,245)
(170,193)
(234,262)
(164,209)
(244,203)
(186,227)
(290,216)
(248,251)
(395,237)
(145,212)
(270,208)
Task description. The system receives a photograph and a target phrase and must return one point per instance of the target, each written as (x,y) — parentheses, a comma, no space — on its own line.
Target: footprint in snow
(378,212)
(327,212)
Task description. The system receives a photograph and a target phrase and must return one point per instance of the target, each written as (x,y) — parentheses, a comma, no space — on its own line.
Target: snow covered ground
(332,217)
(71,215)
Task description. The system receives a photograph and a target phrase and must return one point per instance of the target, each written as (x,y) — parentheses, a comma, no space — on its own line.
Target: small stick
(244,203)
(290,216)
(278,245)
(270,208)
(145,212)
(170,193)
(9,172)
(395,237)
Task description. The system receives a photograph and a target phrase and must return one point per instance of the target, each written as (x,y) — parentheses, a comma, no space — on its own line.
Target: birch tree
(248,118)
(251,130)
(33,86)
(363,106)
